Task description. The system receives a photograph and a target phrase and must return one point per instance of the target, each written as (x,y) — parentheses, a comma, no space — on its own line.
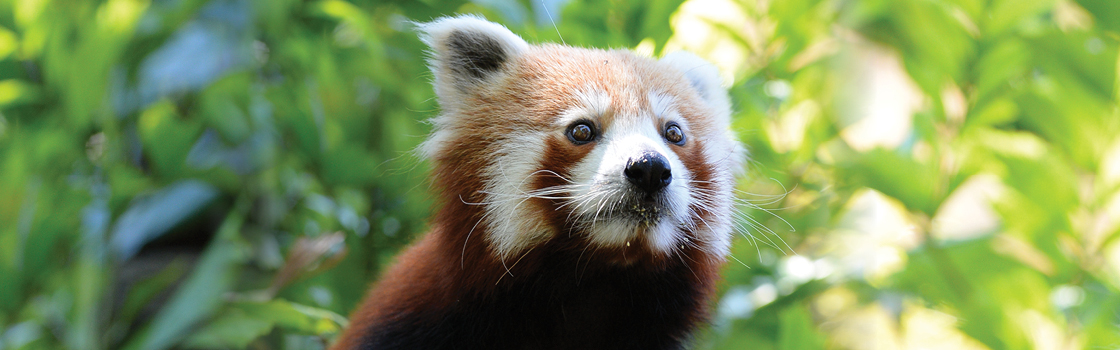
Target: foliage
(232,173)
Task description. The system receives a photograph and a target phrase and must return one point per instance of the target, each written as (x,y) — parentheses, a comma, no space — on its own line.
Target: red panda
(584,196)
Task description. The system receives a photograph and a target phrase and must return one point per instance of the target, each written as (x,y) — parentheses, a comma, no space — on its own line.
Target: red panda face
(626,154)
(631,186)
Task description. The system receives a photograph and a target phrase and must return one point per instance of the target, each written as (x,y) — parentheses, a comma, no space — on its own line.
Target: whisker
(510,273)
(732,256)
(463,254)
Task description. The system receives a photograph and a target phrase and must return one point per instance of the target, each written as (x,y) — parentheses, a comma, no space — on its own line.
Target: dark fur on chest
(562,306)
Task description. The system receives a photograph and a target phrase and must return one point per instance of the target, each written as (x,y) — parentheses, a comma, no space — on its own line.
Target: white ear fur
(704,77)
(467,51)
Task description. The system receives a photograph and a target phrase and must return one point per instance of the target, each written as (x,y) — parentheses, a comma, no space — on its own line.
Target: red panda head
(627,154)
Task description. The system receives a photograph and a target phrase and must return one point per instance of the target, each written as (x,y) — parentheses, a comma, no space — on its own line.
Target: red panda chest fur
(585,201)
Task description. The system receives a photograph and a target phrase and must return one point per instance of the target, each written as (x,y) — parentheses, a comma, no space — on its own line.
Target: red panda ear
(704,78)
(467,51)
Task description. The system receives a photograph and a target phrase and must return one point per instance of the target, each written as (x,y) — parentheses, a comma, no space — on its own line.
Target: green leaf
(232,330)
(1005,15)
(935,44)
(996,112)
(963,276)
(797,330)
(152,216)
(201,294)
(141,293)
(301,318)
(1106,12)
(997,65)
(14,91)
(913,183)
(245,321)
(167,137)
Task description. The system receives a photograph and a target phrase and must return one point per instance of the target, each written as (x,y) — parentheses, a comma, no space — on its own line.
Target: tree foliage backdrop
(233,173)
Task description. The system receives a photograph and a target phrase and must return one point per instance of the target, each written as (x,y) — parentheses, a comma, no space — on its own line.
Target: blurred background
(229,174)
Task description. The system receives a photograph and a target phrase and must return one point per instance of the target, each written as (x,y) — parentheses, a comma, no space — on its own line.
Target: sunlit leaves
(912,182)
(1106,12)
(797,331)
(243,322)
(1021,92)
(997,68)
(601,23)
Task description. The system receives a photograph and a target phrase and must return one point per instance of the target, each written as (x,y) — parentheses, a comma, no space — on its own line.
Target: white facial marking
(591,104)
(723,153)
(513,226)
(662,106)
(606,209)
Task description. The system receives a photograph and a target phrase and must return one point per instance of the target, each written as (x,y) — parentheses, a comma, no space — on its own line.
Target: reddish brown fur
(454,262)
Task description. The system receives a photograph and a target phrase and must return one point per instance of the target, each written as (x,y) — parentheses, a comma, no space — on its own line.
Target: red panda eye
(674,134)
(581,132)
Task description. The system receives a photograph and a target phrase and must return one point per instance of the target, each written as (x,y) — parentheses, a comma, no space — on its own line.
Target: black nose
(650,172)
